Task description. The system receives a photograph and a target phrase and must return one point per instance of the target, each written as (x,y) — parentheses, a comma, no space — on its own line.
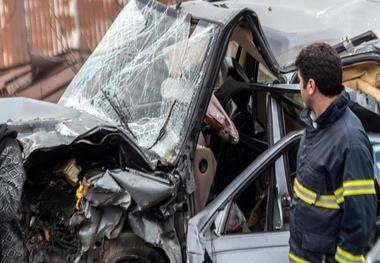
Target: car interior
(218,162)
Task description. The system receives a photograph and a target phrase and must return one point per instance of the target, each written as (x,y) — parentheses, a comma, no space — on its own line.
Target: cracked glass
(144,76)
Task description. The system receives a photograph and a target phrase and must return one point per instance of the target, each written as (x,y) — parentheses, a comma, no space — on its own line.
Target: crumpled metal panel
(195,247)
(145,189)
(160,233)
(292,26)
(103,210)
(105,204)
(44,125)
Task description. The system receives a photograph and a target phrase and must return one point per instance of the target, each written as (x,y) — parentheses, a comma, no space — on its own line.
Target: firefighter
(333,208)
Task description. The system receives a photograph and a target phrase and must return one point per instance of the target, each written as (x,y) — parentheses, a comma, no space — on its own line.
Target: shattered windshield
(144,75)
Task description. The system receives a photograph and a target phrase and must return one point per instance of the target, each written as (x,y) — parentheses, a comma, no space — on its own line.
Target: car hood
(45,125)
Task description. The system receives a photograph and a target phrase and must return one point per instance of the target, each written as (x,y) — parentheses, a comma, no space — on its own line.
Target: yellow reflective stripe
(294,259)
(360,182)
(339,195)
(344,256)
(303,193)
(310,197)
(354,187)
(357,187)
(327,201)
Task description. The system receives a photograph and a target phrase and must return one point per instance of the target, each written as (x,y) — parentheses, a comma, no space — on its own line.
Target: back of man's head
(321,62)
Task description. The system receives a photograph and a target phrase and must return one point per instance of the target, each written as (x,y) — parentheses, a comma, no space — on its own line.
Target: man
(12,178)
(334,203)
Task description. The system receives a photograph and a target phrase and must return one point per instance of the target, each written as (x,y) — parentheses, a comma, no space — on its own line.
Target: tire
(128,248)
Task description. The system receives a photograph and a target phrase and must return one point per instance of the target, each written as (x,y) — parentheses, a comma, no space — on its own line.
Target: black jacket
(12,179)
(334,205)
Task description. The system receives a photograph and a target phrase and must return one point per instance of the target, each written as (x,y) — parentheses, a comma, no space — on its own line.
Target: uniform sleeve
(12,177)
(357,197)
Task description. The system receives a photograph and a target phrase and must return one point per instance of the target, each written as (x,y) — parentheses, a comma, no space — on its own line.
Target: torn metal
(70,205)
(116,161)
(91,160)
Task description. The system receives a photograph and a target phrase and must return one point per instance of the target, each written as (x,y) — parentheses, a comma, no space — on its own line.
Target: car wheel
(128,248)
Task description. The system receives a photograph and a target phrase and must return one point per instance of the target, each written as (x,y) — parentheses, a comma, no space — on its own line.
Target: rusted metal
(13,44)
(45,80)
(57,26)
(52,27)
(44,43)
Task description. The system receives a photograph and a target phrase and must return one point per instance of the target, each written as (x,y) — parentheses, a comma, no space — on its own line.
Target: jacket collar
(330,115)
(6,131)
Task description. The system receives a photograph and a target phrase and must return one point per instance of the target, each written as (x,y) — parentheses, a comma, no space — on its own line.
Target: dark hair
(321,62)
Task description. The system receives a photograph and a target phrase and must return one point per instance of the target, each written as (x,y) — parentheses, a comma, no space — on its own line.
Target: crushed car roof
(293,24)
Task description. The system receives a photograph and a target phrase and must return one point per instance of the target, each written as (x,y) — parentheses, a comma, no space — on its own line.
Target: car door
(222,232)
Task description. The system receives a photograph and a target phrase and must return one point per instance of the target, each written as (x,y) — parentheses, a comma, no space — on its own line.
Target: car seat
(204,168)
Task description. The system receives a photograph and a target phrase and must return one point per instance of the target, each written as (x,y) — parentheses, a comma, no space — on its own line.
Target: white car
(176,141)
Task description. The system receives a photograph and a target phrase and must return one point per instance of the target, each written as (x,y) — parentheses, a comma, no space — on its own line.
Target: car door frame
(203,240)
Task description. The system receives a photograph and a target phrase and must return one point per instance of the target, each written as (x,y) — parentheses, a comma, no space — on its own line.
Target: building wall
(53,27)
(13,35)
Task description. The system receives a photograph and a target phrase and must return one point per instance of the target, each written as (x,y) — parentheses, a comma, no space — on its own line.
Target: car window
(264,75)
(255,209)
(152,109)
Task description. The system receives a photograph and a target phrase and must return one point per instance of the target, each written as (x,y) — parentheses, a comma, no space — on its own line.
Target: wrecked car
(175,142)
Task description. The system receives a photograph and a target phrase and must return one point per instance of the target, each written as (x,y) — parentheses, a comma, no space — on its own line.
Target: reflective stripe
(294,259)
(310,197)
(344,256)
(303,193)
(354,187)
(339,195)
(357,187)
(327,201)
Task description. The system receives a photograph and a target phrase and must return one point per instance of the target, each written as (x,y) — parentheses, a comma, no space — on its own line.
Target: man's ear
(311,87)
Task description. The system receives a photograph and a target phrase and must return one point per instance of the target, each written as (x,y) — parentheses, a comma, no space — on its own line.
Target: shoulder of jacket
(9,141)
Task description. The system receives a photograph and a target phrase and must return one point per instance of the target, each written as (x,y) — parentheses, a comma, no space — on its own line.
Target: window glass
(143,77)
(264,75)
